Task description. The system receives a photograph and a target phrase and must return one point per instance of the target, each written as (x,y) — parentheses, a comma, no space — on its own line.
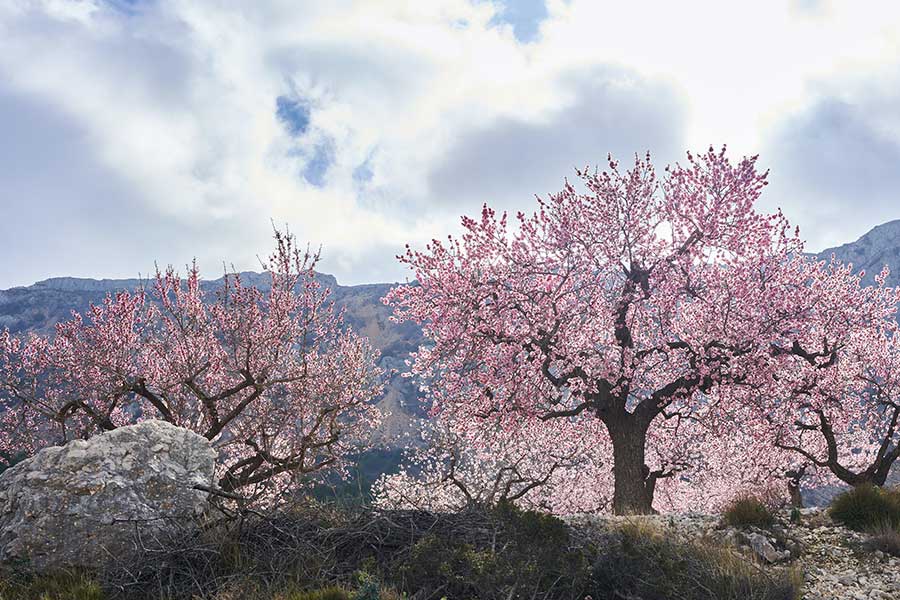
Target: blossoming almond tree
(541,465)
(843,421)
(629,303)
(272,378)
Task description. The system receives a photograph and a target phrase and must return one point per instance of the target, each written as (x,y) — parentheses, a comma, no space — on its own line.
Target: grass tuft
(884,537)
(748,511)
(327,593)
(865,507)
(57,585)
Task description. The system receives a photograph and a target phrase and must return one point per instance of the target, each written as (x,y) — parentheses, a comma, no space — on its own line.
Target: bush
(884,537)
(500,552)
(328,593)
(640,562)
(58,585)
(865,507)
(748,511)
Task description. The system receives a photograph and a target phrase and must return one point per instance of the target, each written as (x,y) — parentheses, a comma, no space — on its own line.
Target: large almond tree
(271,376)
(630,300)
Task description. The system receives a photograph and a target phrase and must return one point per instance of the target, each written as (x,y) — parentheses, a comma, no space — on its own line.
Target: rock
(763,548)
(87,501)
(732,538)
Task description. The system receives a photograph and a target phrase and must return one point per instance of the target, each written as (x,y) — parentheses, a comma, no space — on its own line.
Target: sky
(142,132)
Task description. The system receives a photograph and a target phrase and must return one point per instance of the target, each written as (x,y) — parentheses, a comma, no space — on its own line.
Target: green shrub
(328,593)
(499,552)
(641,562)
(884,537)
(865,507)
(367,587)
(747,511)
(57,585)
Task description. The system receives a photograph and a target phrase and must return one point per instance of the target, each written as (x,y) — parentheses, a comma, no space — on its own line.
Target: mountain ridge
(871,251)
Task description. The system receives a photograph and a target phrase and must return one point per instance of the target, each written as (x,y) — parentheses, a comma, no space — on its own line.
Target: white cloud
(151,126)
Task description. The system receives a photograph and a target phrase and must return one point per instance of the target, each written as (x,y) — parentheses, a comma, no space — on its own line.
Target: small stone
(763,548)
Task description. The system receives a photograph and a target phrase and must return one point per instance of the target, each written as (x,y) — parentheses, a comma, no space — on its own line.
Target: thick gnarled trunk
(633,491)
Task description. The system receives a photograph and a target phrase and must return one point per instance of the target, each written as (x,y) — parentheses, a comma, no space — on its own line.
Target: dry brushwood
(317,545)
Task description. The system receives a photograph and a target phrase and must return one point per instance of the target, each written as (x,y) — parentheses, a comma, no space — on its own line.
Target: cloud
(510,160)
(165,129)
(835,163)
(65,212)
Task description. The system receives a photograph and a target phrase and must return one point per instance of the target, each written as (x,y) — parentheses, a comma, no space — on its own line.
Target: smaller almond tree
(273,378)
(840,415)
(549,466)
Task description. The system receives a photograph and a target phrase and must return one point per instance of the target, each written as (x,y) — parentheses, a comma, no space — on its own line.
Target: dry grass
(640,561)
(747,511)
(486,554)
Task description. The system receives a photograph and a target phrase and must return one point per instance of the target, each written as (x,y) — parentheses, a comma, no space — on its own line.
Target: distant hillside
(879,247)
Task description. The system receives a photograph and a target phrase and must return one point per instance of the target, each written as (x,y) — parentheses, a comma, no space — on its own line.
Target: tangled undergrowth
(325,553)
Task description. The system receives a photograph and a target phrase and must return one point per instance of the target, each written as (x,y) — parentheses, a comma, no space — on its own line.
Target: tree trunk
(794,491)
(794,479)
(631,495)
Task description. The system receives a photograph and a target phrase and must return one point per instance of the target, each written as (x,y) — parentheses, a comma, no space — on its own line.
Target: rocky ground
(834,561)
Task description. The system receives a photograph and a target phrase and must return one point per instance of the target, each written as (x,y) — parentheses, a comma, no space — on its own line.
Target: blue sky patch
(317,167)
(293,114)
(128,7)
(363,173)
(525,16)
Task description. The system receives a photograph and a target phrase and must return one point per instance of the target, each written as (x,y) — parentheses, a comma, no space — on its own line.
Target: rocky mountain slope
(835,562)
(879,247)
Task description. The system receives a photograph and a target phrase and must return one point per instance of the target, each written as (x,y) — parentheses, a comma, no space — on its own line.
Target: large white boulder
(91,500)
